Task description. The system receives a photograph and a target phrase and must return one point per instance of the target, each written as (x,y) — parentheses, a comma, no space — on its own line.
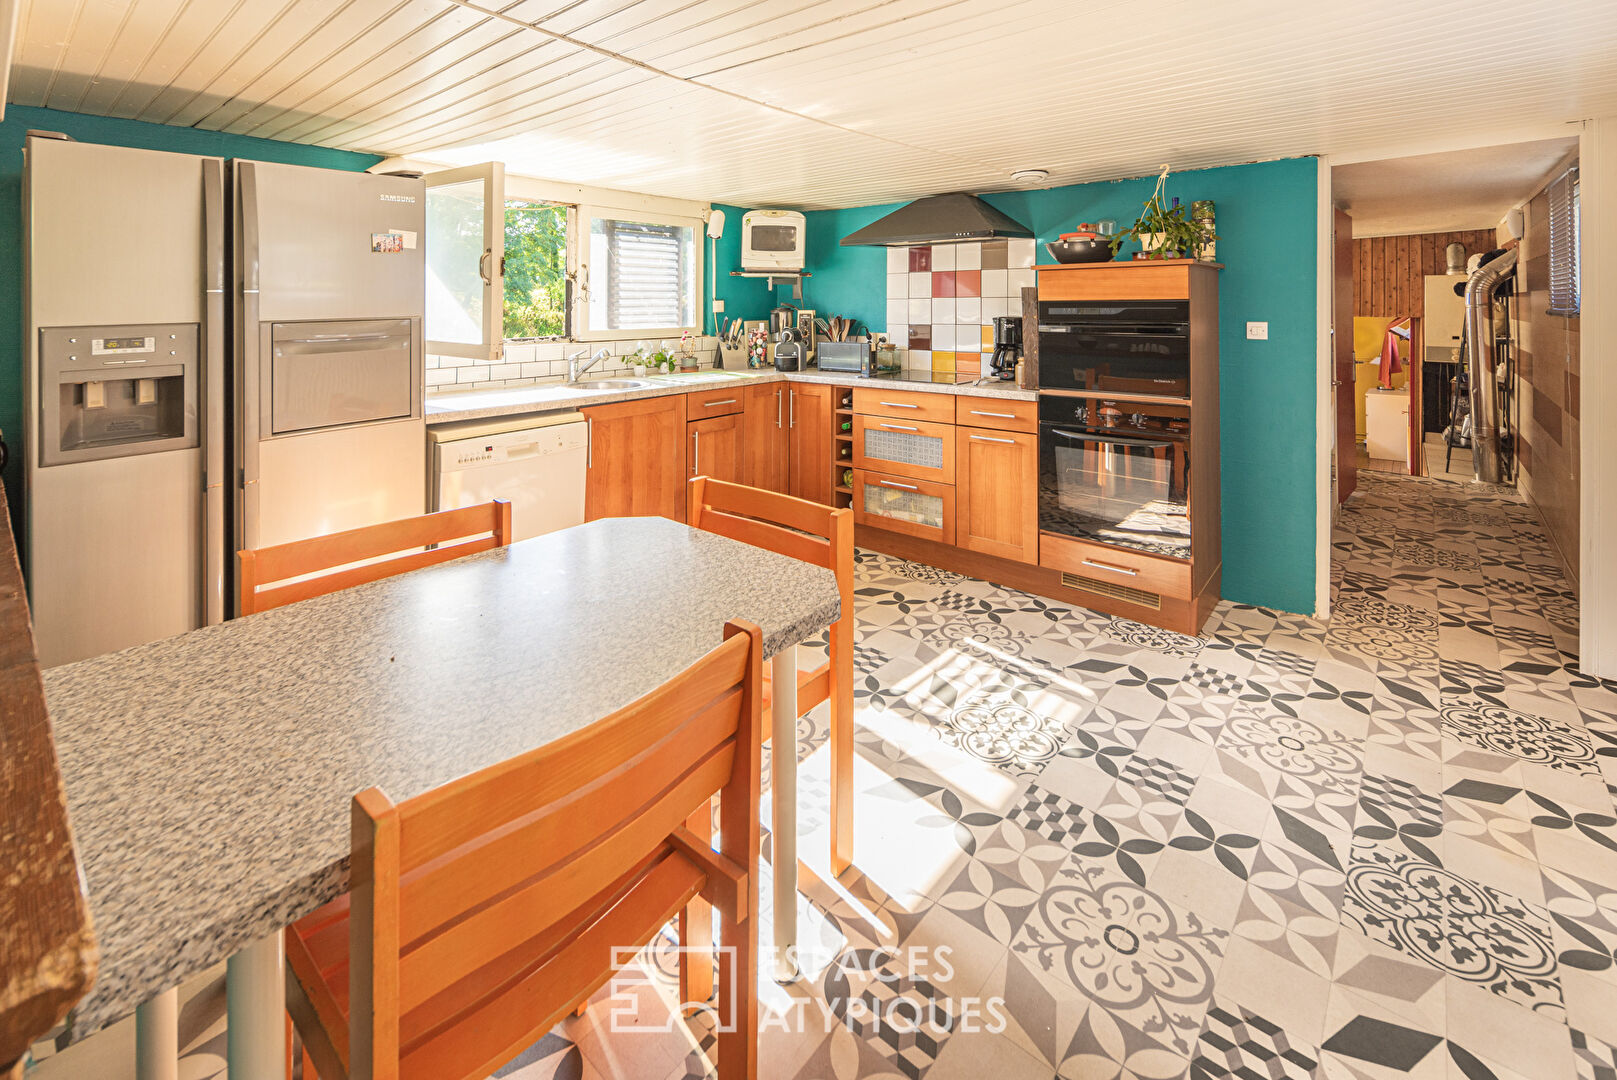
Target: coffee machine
(1007,346)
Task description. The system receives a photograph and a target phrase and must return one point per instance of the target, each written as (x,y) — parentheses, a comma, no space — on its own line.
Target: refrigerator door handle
(247,350)
(214,496)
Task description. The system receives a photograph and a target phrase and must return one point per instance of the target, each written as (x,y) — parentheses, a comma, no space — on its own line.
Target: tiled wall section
(529,362)
(942,300)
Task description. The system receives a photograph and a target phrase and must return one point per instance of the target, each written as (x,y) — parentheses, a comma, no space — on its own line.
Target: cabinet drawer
(906,447)
(998,413)
(903,504)
(1115,566)
(909,404)
(705,403)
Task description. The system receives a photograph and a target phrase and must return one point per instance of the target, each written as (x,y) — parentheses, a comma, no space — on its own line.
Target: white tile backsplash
(943,309)
(898,260)
(898,332)
(921,310)
(546,361)
(1019,253)
(519,353)
(897,311)
(943,336)
(967,309)
(943,257)
(898,285)
(1017,281)
(968,256)
(995,283)
(920,284)
(505,371)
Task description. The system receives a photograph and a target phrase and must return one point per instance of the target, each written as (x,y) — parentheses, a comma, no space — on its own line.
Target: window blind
(646,275)
(1564,262)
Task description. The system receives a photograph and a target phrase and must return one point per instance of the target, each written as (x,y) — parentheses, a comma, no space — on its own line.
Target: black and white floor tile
(1379,845)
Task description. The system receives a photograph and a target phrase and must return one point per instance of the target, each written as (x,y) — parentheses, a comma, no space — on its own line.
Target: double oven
(1114,423)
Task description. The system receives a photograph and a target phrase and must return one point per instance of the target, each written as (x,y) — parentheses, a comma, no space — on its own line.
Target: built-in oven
(1115,346)
(1115,471)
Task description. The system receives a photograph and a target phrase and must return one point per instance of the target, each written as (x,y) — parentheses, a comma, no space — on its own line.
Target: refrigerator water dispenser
(113,391)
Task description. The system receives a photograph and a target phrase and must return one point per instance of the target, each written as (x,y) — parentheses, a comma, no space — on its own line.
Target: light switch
(718,306)
(1257,331)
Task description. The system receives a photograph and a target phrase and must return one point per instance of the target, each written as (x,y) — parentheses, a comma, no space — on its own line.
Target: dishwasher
(536,463)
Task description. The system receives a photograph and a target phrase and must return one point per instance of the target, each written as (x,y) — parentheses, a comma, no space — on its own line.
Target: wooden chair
(264,576)
(481,912)
(821,535)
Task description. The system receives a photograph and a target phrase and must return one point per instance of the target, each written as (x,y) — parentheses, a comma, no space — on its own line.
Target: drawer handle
(899,405)
(986,438)
(1113,569)
(895,483)
(898,427)
(726,401)
(996,415)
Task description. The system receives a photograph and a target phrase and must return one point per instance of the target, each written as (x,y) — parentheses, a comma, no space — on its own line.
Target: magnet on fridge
(145,391)
(95,395)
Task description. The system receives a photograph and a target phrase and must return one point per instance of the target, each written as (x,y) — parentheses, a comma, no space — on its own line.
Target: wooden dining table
(208,776)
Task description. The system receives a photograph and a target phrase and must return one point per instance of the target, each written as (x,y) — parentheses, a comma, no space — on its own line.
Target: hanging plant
(1164,231)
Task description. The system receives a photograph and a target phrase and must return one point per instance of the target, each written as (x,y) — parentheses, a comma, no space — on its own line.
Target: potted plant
(664,359)
(687,352)
(1164,231)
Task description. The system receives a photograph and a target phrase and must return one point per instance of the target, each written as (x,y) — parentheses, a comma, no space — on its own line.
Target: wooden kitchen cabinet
(713,447)
(996,493)
(808,422)
(766,451)
(636,459)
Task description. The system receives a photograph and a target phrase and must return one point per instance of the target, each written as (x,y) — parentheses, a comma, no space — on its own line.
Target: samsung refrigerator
(217,355)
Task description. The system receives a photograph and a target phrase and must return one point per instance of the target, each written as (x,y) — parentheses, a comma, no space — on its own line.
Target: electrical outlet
(718,306)
(1257,331)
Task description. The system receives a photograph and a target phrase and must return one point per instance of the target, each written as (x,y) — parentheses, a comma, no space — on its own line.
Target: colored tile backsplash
(942,299)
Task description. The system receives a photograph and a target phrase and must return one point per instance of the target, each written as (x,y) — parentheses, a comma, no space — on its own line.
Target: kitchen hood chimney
(938,219)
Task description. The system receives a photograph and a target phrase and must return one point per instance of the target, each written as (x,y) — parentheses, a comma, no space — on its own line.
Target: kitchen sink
(611,384)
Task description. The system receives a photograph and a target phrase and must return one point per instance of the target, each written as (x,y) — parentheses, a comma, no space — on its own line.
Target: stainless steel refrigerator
(217,355)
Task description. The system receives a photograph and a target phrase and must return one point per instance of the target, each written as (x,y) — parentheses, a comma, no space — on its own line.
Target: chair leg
(308,1066)
(738,997)
(696,929)
(841,740)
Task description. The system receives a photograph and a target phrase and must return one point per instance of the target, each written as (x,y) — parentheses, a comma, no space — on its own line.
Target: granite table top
(208,775)
(451,406)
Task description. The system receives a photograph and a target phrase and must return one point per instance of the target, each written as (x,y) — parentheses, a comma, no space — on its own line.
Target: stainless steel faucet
(574,369)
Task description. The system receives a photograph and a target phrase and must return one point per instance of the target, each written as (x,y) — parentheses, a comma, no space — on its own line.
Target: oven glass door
(1136,360)
(1125,488)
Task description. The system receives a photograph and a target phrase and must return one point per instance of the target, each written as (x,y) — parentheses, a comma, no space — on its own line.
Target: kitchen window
(642,275)
(538,287)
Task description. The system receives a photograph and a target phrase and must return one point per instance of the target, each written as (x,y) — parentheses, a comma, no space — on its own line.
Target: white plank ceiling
(823,103)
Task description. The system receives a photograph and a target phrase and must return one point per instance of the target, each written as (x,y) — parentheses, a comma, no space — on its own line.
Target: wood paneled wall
(1389,271)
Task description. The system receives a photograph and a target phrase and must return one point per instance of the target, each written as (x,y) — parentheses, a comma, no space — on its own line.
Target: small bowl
(1080,251)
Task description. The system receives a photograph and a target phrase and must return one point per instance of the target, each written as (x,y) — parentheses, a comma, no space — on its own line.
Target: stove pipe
(1479,292)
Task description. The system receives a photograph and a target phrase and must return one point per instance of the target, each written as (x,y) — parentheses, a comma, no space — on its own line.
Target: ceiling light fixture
(1030,176)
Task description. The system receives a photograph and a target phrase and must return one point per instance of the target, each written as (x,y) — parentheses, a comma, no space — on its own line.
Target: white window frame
(526,190)
(582,330)
(491,265)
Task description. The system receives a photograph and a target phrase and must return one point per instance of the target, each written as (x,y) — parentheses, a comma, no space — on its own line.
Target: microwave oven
(772,240)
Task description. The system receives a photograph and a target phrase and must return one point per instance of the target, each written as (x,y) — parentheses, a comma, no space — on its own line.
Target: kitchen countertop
(208,776)
(547,397)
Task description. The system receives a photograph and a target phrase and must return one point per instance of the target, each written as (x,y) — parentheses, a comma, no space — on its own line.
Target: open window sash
(465,241)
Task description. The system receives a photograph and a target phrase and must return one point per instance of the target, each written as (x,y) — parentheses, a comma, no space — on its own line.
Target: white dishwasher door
(537,465)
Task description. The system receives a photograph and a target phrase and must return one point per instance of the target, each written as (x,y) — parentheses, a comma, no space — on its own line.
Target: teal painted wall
(98,129)
(1266,227)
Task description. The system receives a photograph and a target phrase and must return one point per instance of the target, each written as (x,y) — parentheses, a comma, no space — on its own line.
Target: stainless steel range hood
(938,219)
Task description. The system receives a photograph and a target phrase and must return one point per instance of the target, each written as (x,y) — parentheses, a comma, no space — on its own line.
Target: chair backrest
(272,576)
(810,531)
(530,871)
